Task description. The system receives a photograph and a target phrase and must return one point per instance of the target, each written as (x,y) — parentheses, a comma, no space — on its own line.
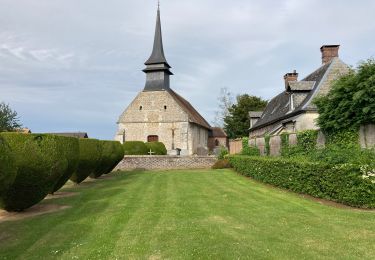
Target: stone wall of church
(157,113)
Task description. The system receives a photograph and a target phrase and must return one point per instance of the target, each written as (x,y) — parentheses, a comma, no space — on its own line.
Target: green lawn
(189,215)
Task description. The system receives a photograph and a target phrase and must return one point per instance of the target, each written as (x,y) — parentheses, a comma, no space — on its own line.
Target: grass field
(189,215)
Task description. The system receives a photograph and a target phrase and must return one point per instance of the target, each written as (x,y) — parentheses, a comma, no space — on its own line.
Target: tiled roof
(301,85)
(255,114)
(193,114)
(218,132)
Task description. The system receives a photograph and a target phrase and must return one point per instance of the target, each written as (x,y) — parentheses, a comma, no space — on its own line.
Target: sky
(68,65)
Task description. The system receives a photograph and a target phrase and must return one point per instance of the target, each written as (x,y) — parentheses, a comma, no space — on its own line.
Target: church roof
(157,56)
(279,107)
(193,114)
(218,132)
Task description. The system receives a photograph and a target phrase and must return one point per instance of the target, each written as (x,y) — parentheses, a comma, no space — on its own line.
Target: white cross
(150,152)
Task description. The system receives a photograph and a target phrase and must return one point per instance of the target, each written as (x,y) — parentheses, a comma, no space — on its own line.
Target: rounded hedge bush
(112,153)
(135,148)
(70,149)
(157,148)
(90,151)
(39,166)
(8,169)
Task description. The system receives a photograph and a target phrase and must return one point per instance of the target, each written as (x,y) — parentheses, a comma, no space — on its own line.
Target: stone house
(293,109)
(217,138)
(158,113)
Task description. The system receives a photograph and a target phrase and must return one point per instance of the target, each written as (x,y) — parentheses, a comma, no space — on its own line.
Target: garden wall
(366,139)
(235,146)
(165,162)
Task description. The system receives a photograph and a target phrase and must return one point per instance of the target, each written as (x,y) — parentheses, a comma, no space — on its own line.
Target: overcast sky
(75,65)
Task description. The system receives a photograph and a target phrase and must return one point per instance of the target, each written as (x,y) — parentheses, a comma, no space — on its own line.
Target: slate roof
(255,114)
(218,132)
(193,114)
(278,108)
(301,85)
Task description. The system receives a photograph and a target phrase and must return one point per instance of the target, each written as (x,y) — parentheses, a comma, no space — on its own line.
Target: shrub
(112,153)
(249,150)
(70,150)
(349,184)
(90,151)
(8,168)
(222,164)
(222,153)
(135,148)
(39,166)
(350,102)
(157,147)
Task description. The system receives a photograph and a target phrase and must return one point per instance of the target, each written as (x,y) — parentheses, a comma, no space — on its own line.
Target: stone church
(293,109)
(160,114)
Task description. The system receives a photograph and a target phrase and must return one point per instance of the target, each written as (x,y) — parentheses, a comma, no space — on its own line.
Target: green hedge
(8,171)
(69,149)
(111,155)
(39,166)
(157,147)
(135,148)
(349,184)
(90,151)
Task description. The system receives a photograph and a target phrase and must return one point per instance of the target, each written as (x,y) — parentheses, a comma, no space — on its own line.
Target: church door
(152,138)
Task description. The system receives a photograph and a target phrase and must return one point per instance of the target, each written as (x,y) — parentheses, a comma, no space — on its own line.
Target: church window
(165,107)
(140,108)
(152,138)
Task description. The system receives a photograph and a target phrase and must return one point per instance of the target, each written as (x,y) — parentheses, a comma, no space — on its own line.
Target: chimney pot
(329,52)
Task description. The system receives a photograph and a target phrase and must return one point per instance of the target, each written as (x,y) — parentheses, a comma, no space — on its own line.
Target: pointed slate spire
(157,67)
(157,55)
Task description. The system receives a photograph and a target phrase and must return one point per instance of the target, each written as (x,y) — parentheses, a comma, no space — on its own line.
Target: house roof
(301,85)
(217,132)
(255,114)
(193,114)
(278,108)
(77,135)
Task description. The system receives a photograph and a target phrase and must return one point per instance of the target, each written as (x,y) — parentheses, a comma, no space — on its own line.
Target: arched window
(152,138)
(140,108)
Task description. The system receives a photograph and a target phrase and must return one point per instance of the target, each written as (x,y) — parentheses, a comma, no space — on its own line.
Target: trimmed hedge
(135,148)
(157,147)
(348,184)
(90,151)
(8,171)
(112,154)
(70,150)
(39,166)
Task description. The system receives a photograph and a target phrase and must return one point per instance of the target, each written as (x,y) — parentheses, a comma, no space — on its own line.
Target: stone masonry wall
(166,162)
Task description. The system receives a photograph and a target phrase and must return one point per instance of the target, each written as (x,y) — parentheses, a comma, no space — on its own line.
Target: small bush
(249,150)
(112,153)
(8,170)
(135,148)
(222,164)
(90,151)
(39,166)
(222,153)
(349,184)
(157,147)
(70,150)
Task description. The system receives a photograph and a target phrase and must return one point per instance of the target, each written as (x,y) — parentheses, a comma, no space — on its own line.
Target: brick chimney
(292,76)
(329,52)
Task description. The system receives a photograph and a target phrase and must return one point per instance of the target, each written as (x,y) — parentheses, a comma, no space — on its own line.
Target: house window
(152,138)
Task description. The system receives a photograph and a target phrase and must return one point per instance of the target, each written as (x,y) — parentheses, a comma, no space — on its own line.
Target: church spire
(157,67)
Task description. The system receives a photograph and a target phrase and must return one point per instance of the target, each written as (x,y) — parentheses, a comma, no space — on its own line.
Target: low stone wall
(366,139)
(166,162)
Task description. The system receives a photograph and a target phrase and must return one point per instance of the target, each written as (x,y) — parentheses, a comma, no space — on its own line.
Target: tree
(8,118)
(237,122)
(350,102)
(225,101)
